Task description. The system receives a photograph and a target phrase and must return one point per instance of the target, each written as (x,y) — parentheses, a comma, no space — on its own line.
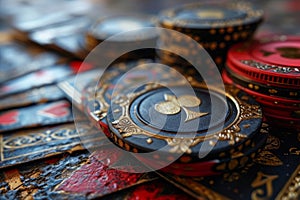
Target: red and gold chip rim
(270,60)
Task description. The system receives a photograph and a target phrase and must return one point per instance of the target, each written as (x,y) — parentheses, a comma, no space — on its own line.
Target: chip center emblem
(173,105)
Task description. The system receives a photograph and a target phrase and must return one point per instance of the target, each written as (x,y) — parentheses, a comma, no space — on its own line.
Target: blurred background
(280,16)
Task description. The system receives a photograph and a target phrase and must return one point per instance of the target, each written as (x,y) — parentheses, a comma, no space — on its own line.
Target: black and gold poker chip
(153,118)
(216,26)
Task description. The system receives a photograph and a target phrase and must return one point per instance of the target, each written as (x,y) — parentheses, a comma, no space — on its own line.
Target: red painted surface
(9,118)
(97,178)
(156,190)
(60,109)
(79,67)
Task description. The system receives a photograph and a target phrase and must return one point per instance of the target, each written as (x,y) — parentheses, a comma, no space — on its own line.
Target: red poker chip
(294,114)
(262,88)
(276,102)
(259,77)
(272,60)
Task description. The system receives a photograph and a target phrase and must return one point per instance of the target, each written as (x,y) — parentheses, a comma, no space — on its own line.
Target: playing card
(44,36)
(36,115)
(38,179)
(17,60)
(95,179)
(32,144)
(34,96)
(73,44)
(73,86)
(39,78)
(273,175)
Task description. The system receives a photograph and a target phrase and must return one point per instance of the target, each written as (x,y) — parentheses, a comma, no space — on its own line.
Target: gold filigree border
(292,187)
(231,133)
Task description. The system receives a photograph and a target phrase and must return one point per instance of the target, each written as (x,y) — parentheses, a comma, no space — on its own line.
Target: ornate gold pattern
(272,143)
(261,180)
(172,106)
(231,133)
(267,158)
(291,190)
(180,145)
(21,141)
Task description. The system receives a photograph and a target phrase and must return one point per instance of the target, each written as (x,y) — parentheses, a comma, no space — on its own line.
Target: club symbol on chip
(173,105)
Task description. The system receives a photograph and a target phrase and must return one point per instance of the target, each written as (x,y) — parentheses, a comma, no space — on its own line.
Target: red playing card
(96,179)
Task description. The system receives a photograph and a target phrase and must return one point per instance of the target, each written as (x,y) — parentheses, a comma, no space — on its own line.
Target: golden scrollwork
(272,143)
(30,139)
(180,145)
(267,158)
(200,190)
(291,190)
(231,133)
(263,180)
(21,141)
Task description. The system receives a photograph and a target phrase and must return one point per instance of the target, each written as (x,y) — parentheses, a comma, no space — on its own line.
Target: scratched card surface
(27,145)
(34,96)
(274,175)
(38,179)
(74,86)
(17,60)
(36,115)
(95,179)
(39,78)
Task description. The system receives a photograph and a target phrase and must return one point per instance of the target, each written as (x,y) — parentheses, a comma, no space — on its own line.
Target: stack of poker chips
(185,131)
(118,33)
(216,26)
(269,69)
(143,118)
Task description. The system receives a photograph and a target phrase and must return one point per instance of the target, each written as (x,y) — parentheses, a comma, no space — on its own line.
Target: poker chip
(272,60)
(264,88)
(216,26)
(268,69)
(152,118)
(132,31)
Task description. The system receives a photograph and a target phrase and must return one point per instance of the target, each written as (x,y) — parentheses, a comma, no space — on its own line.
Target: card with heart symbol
(37,115)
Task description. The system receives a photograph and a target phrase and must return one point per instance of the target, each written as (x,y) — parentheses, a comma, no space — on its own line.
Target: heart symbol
(56,110)
(9,118)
